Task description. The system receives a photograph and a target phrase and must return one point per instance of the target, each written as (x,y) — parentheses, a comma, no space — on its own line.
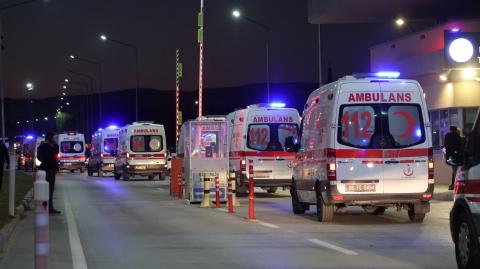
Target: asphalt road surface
(136,224)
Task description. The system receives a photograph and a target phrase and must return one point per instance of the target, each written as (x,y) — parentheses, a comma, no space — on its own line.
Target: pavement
(136,224)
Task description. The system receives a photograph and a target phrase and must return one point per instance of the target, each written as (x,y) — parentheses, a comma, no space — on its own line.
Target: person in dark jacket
(453,151)
(4,158)
(47,154)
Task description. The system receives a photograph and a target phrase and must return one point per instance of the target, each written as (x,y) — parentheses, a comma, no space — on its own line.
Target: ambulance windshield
(146,143)
(270,136)
(380,126)
(71,147)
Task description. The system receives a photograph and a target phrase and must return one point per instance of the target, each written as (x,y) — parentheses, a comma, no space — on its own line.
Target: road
(116,224)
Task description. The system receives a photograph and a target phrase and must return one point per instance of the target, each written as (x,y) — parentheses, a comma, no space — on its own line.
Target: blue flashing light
(111,127)
(100,129)
(29,137)
(105,148)
(418,133)
(277,105)
(388,74)
(455,30)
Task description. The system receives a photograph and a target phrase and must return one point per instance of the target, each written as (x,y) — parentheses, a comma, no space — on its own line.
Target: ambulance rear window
(110,144)
(146,143)
(380,126)
(270,136)
(71,147)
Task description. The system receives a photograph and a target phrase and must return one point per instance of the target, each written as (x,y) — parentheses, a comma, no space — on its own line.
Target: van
(365,141)
(104,143)
(71,154)
(259,133)
(142,151)
(465,213)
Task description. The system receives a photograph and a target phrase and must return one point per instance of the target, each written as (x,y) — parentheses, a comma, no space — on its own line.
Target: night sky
(38,38)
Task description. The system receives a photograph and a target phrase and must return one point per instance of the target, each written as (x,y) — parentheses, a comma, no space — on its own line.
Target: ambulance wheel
(466,247)
(415,217)
(90,174)
(116,176)
(272,189)
(126,176)
(72,171)
(324,211)
(151,177)
(379,210)
(297,206)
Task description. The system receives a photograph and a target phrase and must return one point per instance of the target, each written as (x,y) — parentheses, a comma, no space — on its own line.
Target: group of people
(47,155)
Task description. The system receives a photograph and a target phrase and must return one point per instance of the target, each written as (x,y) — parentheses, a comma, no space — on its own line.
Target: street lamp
(29,88)
(100,90)
(238,15)
(105,38)
(400,22)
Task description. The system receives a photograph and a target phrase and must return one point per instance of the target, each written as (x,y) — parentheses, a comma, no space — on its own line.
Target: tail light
(331,165)
(243,166)
(430,166)
(128,155)
(59,155)
(101,155)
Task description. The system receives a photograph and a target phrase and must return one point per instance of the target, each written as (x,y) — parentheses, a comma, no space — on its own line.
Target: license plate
(360,187)
(141,167)
(67,164)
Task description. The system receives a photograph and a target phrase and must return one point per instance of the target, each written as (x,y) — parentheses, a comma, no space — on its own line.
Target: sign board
(461,49)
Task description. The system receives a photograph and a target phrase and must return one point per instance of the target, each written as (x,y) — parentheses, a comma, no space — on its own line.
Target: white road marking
(269,225)
(78,256)
(222,209)
(331,246)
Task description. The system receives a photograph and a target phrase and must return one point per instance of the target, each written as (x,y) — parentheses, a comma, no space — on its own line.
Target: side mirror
(291,144)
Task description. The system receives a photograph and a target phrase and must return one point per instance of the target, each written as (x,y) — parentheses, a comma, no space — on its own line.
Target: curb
(7,231)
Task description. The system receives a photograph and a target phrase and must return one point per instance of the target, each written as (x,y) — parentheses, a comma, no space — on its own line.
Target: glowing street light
(236,13)
(46,118)
(64,87)
(72,56)
(400,22)
(29,86)
(66,80)
(103,37)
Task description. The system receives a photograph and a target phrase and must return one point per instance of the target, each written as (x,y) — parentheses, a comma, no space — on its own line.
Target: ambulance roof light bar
(380,74)
(112,127)
(143,122)
(270,105)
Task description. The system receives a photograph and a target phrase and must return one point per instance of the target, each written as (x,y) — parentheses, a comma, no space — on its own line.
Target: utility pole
(200,71)
(178,113)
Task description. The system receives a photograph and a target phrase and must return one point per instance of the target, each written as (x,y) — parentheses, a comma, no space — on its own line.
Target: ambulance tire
(466,248)
(126,176)
(379,210)
(297,206)
(324,211)
(272,189)
(151,177)
(72,171)
(90,174)
(415,217)
(116,176)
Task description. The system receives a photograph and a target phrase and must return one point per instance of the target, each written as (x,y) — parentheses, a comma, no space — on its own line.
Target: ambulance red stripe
(379,153)
(72,157)
(261,154)
(468,187)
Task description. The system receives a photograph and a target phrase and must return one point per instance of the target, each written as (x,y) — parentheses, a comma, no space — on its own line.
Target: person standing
(453,155)
(47,154)
(4,158)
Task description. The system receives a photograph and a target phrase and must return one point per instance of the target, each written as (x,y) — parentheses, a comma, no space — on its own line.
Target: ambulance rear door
(359,164)
(405,153)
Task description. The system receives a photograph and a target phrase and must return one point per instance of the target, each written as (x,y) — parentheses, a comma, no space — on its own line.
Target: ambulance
(27,150)
(465,213)
(365,141)
(38,142)
(104,144)
(260,133)
(142,151)
(71,154)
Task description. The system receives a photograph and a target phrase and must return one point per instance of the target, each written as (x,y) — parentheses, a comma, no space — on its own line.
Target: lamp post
(135,48)
(238,15)
(90,78)
(29,88)
(100,82)
(2,90)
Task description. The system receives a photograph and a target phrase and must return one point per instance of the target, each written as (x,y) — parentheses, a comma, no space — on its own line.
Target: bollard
(217,192)
(180,186)
(41,196)
(251,195)
(206,192)
(11,184)
(230,194)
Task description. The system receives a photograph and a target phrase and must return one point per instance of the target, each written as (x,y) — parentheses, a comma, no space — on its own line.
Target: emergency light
(111,127)
(277,105)
(30,137)
(387,74)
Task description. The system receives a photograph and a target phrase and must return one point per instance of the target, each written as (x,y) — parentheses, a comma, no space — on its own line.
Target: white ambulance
(259,133)
(104,143)
(142,150)
(465,214)
(71,154)
(38,142)
(365,141)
